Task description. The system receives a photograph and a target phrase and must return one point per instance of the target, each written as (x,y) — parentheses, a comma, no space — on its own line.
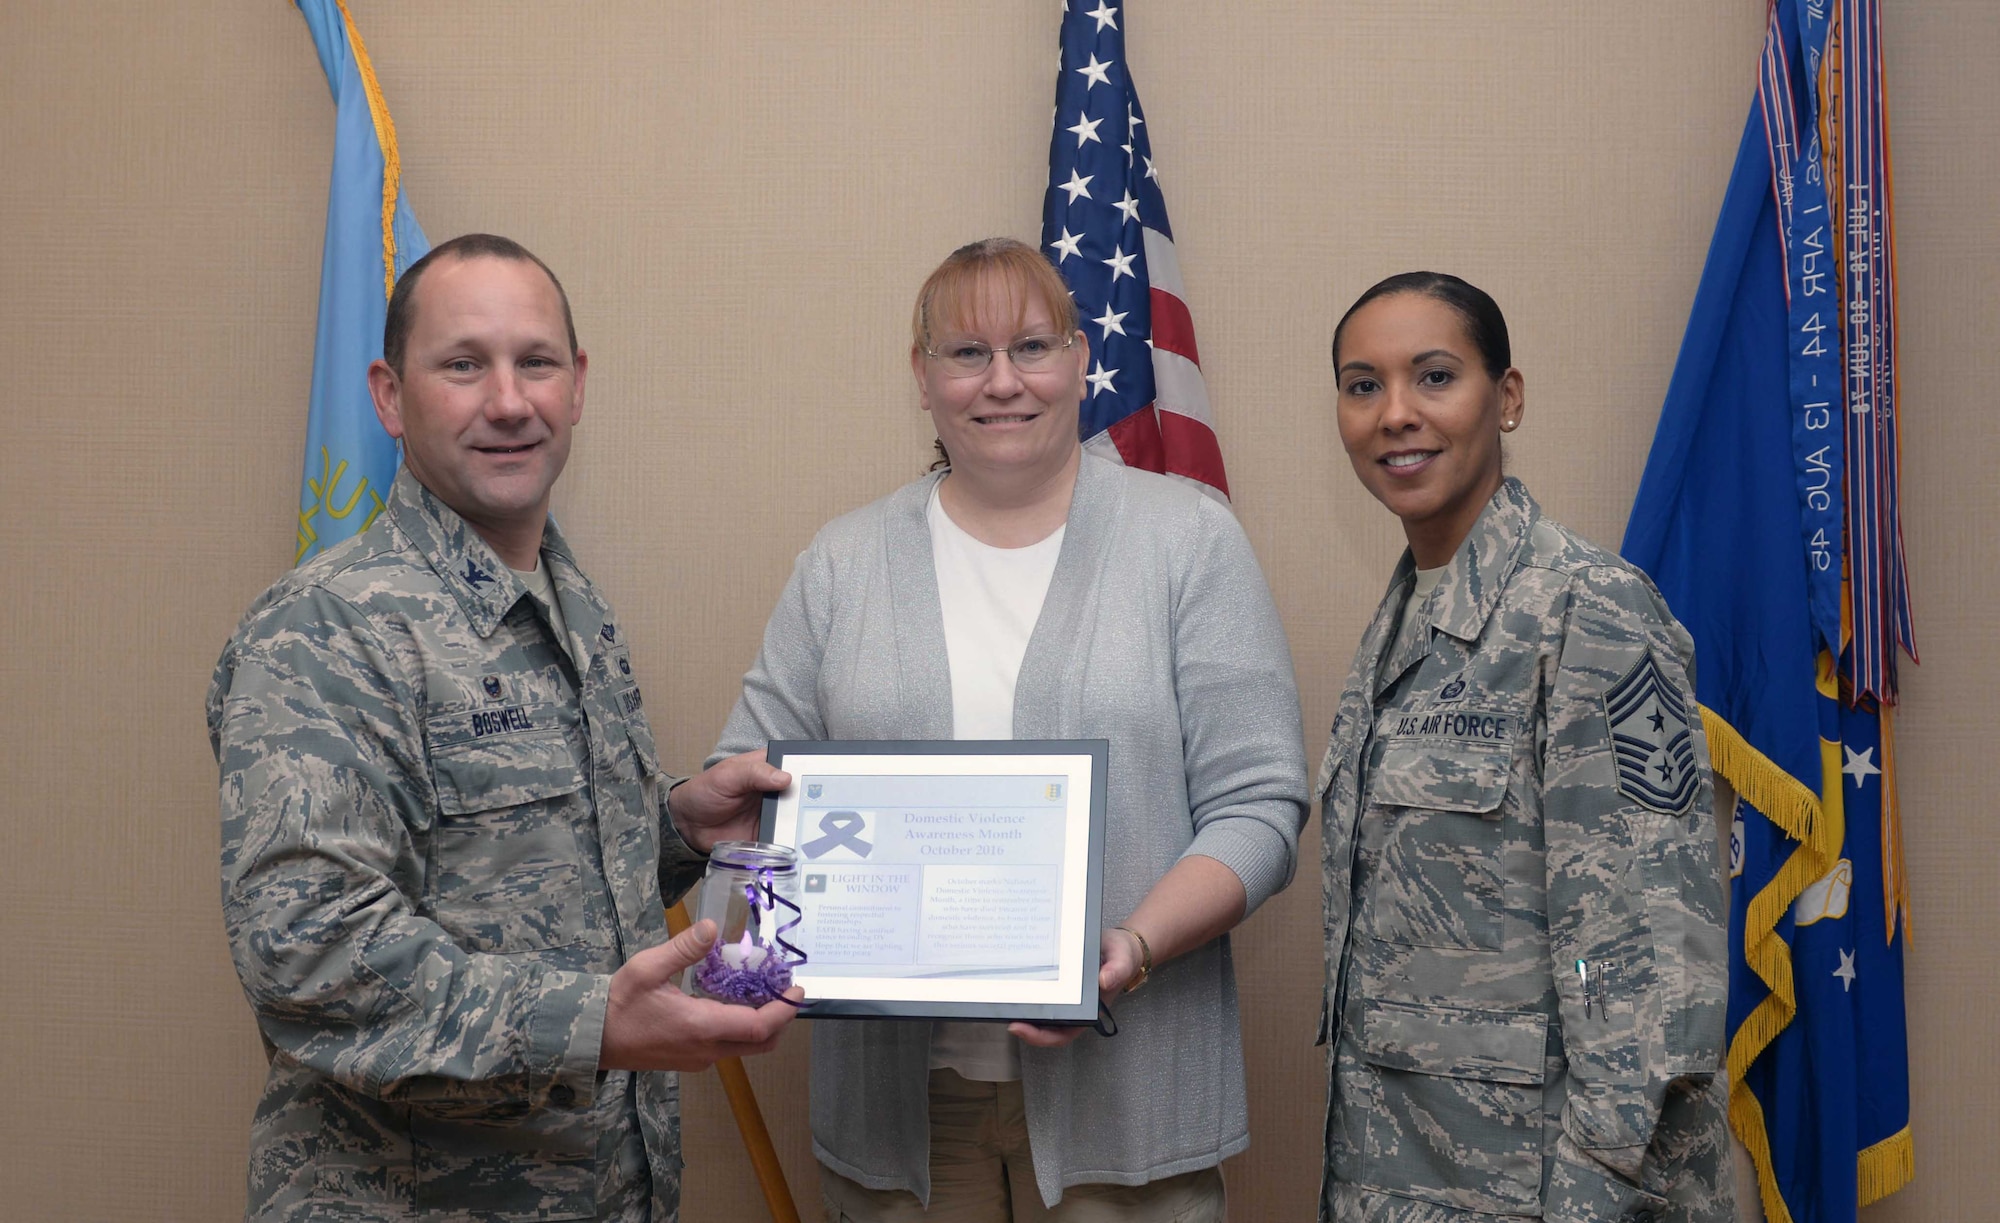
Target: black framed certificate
(951,879)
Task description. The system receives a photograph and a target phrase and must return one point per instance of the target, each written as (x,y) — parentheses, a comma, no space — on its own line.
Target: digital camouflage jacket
(442,830)
(1524,913)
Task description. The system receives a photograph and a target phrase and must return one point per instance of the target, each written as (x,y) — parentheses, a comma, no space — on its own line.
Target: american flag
(1104,224)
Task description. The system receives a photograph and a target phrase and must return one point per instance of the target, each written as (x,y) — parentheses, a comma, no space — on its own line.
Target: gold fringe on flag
(385,135)
(1887,1166)
(1818,823)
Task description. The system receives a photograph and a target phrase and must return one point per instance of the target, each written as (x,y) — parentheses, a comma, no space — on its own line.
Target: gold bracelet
(1145,959)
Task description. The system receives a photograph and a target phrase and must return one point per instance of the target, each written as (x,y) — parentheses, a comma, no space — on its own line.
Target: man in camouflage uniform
(1524,914)
(446,835)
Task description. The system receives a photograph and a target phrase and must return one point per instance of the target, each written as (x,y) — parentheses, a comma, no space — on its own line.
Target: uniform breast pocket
(507,877)
(643,759)
(1456,1113)
(1439,882)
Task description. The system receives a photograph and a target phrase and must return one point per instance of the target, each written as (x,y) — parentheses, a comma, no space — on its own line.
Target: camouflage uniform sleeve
(1242,738)
(1634,889)
(323,780)
(681,864)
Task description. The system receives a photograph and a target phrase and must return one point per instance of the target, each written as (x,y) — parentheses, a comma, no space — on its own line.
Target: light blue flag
(350,462)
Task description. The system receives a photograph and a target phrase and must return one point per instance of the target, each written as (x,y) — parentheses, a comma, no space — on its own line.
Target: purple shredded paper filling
(750,986)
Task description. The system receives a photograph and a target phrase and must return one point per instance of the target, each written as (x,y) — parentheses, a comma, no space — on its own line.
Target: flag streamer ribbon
(1812,280)
(1854,119)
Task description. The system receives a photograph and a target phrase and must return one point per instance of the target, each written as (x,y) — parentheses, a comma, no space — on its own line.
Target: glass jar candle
(751,893)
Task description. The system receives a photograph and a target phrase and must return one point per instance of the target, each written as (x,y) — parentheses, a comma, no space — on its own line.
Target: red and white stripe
(1175,434)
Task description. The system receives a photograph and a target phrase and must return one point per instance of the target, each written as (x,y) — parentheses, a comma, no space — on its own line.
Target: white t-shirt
(1407,626)
(1427,581)
(991,598)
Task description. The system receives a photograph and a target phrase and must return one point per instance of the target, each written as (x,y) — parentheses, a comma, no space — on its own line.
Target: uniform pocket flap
(1492,1046)
(504,772)
(1441,777)
(643,745)
(1339,742)
(1329,768)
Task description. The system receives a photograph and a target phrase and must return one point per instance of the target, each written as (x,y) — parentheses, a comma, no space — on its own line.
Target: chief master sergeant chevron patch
(1652,739)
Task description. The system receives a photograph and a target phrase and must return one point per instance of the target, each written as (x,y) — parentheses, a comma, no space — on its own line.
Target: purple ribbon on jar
(751,972)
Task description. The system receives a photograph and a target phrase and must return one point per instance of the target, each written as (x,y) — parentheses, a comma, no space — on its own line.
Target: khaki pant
(981,1173)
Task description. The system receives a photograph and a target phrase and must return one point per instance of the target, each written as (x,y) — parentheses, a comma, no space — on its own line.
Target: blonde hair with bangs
(951,293)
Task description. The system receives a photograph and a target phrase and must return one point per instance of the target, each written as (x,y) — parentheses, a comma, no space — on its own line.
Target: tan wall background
(742,200)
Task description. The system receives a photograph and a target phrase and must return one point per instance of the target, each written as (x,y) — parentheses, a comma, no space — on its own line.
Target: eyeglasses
(969,358)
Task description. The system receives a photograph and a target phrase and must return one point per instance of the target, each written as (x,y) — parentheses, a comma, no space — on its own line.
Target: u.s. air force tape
(1455,725)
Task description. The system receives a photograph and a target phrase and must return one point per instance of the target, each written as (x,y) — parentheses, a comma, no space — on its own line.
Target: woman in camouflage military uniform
(1524,911)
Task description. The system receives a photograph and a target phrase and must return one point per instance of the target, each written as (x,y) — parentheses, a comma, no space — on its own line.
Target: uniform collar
(486,589)
(1472,583)
(586,613)
(1382,634)
(1467,591)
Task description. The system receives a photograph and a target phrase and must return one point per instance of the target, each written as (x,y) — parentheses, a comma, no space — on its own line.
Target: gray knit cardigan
(1158,634)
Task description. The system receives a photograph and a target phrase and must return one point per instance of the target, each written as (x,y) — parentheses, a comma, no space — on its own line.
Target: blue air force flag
(1739,521)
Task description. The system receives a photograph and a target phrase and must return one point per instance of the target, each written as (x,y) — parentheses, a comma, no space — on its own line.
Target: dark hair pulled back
(1484,324)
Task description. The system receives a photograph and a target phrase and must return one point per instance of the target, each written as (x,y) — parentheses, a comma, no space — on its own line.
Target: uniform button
(562,1095)
(1642,1216)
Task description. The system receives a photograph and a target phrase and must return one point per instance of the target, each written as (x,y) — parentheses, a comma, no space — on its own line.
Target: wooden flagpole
(749,1118)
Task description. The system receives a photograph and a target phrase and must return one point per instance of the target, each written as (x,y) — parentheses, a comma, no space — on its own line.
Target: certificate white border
(1068,989)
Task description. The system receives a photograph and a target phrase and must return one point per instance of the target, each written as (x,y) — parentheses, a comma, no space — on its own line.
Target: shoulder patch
(1651,739)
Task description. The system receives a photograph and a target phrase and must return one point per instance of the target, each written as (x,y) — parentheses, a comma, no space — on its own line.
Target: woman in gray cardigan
(1032,590)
